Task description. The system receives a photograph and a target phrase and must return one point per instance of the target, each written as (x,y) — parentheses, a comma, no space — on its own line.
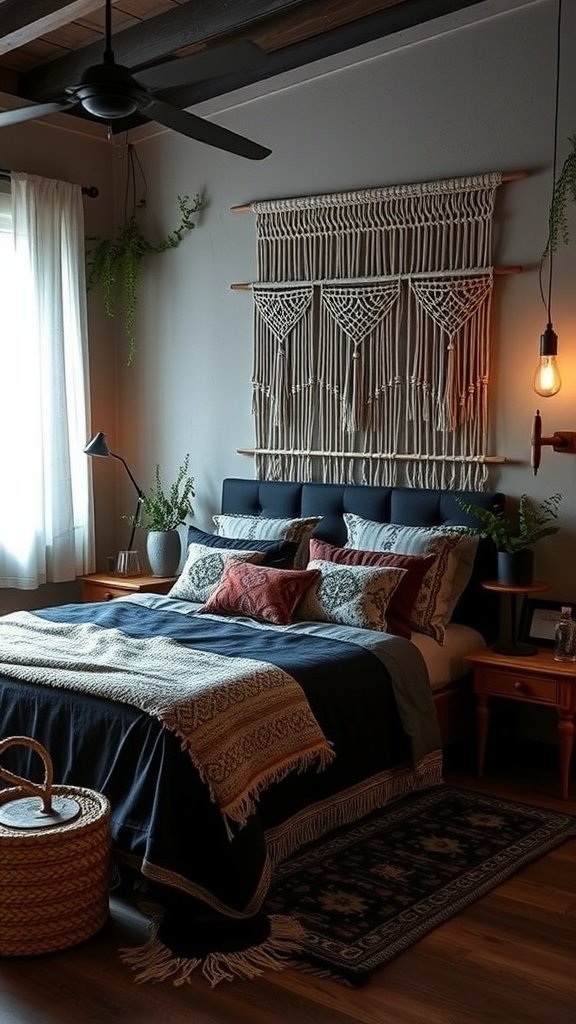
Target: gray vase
(163,548)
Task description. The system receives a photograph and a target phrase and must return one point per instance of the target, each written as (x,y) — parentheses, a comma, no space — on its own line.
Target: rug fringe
(155,962)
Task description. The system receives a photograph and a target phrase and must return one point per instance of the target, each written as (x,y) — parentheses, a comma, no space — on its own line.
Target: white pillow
(247,527)
(445,580)
(203,570)
(351,595)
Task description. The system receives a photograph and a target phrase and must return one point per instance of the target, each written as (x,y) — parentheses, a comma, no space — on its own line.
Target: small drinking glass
(128,564)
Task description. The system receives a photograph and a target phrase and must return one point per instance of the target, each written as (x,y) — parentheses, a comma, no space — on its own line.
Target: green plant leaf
(167,508)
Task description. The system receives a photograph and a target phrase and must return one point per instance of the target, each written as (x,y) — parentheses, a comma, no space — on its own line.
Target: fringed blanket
(244,723)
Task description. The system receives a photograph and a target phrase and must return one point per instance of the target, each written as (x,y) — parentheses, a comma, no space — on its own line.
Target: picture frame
(538,619)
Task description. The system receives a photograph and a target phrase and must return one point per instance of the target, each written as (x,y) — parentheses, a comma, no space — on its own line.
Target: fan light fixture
(547,381)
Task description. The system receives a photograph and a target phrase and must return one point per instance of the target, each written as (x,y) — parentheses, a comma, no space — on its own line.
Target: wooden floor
(510,958)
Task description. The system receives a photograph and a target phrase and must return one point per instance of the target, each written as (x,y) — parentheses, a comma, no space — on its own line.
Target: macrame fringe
(154,962)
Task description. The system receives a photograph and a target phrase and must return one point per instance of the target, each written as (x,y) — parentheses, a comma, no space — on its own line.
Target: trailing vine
(113,264)
(564,191)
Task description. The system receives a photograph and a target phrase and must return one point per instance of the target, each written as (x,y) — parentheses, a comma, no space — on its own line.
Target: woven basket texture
(54,881)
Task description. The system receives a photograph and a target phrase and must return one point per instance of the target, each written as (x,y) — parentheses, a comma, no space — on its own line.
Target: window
(46,532)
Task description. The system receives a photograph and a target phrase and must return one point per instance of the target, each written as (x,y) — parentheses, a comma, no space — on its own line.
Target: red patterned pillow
(267,594)
(404,598)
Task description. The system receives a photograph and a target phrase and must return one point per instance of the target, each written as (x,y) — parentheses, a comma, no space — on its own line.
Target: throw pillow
(247,527)
(445,580)
(401,604)
(259,591)
(350,595)
(203,570)
(278,553)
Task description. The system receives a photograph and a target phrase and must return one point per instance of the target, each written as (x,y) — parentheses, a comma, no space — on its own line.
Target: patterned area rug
(371,891)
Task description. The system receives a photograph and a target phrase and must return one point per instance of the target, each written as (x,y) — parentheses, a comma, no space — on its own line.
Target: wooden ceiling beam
(154,38)
(394,18)
(21,21)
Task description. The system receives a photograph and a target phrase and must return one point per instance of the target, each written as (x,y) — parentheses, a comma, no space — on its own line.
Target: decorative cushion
(260,592)
(203,570)
(247,527)
(279,553)
(445,580)
(350,595)
(402,602)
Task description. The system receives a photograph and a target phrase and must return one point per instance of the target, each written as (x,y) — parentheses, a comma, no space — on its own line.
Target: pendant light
(546,381)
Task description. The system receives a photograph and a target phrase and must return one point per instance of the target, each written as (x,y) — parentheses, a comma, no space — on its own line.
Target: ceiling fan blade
(222,60)
(201,130)
(9,117)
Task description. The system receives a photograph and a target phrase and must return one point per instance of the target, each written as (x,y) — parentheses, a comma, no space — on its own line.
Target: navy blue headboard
(409,506)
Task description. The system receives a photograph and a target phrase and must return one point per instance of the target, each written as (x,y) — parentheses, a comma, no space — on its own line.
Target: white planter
(163,549)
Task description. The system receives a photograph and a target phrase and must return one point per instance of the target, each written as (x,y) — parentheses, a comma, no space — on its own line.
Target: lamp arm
(126,467)
(135,522)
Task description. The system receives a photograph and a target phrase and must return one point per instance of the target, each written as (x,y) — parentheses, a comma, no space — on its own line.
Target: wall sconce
(560,441)
(546,381)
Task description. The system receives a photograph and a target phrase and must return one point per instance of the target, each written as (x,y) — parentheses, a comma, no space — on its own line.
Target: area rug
(370,891)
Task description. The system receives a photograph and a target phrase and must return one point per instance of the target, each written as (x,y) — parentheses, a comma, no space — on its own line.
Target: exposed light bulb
(547,381)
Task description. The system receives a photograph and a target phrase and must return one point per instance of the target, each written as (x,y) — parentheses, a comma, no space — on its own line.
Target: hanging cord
(549,252)
(134,168)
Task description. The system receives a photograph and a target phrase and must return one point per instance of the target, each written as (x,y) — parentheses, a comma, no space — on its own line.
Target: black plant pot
(516,568)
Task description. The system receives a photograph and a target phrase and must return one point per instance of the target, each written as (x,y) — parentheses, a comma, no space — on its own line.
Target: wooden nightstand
(103,586)
(535,680)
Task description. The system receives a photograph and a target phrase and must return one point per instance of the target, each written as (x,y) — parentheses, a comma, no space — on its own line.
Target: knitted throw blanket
(244,723)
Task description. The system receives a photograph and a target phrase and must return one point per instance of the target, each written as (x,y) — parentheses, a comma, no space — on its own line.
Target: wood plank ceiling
(46,44)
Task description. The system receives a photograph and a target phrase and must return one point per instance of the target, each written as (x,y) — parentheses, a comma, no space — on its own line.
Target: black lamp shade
(97,446)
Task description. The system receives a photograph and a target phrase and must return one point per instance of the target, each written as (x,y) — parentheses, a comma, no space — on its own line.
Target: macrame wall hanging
(371,335)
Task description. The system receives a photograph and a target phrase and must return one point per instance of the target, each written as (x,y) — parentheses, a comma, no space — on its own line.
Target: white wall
(456,97)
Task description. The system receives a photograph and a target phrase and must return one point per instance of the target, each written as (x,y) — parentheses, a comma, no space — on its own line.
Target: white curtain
(46,509)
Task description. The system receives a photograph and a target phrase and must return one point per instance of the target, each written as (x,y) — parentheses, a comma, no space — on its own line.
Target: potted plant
(515,535)
(162,511)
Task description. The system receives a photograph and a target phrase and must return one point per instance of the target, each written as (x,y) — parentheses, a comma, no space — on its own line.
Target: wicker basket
(54,878)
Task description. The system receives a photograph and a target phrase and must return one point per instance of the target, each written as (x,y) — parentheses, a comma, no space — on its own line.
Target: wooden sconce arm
(559,441)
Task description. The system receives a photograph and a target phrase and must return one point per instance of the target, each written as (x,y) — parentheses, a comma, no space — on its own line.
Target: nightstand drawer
(521,685)
(94,592)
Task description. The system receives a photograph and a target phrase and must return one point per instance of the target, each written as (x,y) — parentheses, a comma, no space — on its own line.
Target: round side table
(514,647)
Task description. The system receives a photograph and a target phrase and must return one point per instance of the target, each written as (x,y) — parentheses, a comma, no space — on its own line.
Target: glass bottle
(565,636)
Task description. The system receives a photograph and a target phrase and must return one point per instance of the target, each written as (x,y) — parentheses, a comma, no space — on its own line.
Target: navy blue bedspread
(162,814)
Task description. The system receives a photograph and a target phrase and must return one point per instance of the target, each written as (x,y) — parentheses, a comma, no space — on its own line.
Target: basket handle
(25,786)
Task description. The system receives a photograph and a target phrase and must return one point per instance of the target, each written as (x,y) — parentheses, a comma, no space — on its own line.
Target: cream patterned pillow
(203,570)
(447,577)
(350,595)
(247,527)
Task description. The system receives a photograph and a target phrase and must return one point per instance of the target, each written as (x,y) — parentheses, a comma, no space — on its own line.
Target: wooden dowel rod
(397,456)
(507,176)
(246,286)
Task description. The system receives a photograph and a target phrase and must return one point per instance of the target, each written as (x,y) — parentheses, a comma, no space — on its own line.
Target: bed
(176,816)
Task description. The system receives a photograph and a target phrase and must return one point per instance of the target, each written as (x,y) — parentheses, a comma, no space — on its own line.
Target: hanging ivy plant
(564,192)
(113,264)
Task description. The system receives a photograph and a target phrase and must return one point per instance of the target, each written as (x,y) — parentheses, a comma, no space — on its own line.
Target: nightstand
(536,680)
(103,586)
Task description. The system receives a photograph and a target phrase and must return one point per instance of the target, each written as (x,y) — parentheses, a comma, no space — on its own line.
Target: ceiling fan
(111,92)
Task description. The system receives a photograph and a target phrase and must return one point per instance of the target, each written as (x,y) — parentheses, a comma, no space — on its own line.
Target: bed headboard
(406,505)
